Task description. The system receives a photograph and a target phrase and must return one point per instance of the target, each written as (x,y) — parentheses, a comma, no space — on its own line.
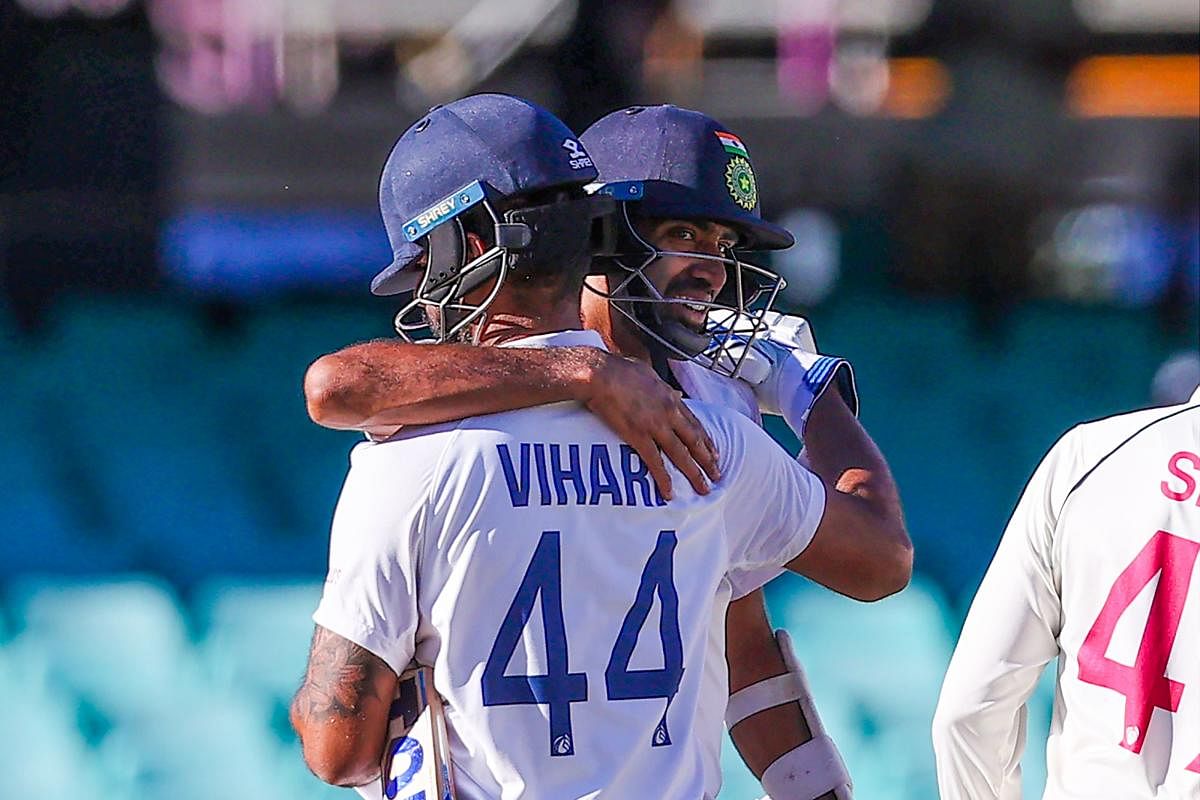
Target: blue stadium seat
(119,643)
(46,506)
(42,753)
(204,747)
(141,408)
(300,466)
(256,634)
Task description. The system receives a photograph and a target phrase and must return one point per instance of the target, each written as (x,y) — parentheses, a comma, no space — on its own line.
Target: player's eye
(684,233)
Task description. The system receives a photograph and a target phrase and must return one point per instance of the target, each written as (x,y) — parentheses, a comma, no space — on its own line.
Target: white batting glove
(785,370)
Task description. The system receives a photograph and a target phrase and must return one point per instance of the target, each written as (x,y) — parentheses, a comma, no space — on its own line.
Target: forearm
(846,459)
(765,737)
(1010,634)
(754,656)
(878,550)
(978,727)
(386,384)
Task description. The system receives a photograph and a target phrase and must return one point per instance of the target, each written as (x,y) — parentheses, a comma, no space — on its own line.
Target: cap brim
(398,277)
(666,200)
(764,235)
(760,234)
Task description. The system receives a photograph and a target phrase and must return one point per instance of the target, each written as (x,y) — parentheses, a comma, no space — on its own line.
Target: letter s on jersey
(1177,470)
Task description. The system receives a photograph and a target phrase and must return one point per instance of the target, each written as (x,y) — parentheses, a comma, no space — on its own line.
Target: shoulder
(394,475)
(448,446)
(1088,445)
(703,384)
(409,448)
(1100,438)
(736,435)
(722,417)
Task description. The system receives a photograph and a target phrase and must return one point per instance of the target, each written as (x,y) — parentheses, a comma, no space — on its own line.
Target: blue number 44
(559,687)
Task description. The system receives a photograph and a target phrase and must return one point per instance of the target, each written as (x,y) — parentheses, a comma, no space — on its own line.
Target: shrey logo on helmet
(579,156)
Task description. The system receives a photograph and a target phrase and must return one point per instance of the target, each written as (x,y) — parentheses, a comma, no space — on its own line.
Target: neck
(618,333)
(516,317)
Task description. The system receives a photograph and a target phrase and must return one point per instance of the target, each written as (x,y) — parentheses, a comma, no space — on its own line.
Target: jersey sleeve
(370,594)
(776,506)
(744,581)
(1010,633)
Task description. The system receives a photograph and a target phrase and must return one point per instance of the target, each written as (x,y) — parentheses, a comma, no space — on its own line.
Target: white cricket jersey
(1099,566)
(568,612)
(702,383)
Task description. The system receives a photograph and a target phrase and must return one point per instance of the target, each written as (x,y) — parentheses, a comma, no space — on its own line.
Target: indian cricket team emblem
(739,179)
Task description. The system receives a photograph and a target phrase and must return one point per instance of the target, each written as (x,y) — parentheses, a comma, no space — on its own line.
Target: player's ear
(475,247)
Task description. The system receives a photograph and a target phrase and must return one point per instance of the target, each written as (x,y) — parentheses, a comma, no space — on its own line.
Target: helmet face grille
(733,319)
(529,240)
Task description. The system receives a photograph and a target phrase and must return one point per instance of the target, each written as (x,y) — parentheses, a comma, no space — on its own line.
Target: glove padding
(783,367)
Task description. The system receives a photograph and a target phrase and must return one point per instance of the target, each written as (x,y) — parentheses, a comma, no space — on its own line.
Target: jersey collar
(558,339)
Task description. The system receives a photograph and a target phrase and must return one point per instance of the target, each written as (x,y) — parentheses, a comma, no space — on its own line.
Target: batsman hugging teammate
(485,547)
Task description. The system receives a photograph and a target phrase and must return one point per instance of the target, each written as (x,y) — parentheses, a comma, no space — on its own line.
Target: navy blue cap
(486,146)
(690,165)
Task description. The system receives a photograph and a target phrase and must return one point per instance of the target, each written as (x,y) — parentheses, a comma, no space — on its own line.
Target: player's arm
(776,742)
(367,617)
(861,547)
(1009,636)
(381,385)
(341,710)
(754,656)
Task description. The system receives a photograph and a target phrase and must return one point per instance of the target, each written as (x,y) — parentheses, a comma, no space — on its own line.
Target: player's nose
(709,271)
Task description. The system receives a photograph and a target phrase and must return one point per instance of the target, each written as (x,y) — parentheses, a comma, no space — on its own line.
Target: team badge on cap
(739,179)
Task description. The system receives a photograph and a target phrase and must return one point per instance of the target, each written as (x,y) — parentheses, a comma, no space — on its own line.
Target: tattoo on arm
(340,679)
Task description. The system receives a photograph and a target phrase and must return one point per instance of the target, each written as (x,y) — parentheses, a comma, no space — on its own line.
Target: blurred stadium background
(996,212)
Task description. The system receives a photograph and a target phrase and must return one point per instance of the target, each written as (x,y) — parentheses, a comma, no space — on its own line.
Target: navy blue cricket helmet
(666,162)
(690,167)
(490,163)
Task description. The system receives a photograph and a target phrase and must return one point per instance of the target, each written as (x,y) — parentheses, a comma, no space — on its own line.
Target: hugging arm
(381,385)
(861,548)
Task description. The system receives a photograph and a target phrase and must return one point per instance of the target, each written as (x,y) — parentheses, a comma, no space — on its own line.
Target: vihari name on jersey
(552,474)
